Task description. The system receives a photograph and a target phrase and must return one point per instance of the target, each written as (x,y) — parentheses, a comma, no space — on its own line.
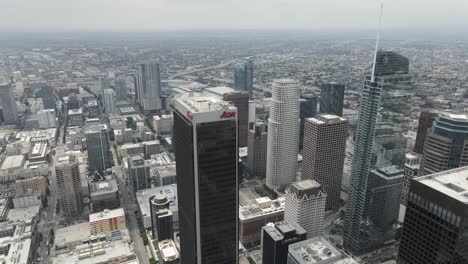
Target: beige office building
(324,153)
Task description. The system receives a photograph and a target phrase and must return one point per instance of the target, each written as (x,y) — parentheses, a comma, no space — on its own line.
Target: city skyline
(184,146)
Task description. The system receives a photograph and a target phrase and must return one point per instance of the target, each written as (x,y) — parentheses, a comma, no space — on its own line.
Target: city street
(129,207)
(49,222)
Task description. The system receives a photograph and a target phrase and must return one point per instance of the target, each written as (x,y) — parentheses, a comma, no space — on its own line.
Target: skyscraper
(241,101)
(436,221)
(109,100)
(121,89)
(161,218)
(97,141)
(139,173)
(257,149)
(283,134)
(368,110)
(308,108)
(149,87)
(412,166)
(243,76)
(104,84)
(383,196)
(68,180)
(305,205)
(445,145)
(205,129)
(383,110)
(8,103)
(324,153)
(332,98)
(425,123)
(276,239)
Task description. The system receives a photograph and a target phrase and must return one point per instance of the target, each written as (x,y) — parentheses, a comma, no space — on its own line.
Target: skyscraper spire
(377,42)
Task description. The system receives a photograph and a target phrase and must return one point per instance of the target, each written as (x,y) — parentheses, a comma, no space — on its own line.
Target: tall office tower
(308,108)
(276,239)
(446,145)
(426,118)
(283,134)
(257,150)
(139,172)
(121,89)
(436,221)
(68,181)
(243,76)
(305,205)
(205,129)
(383,110)
(161,218)
(149,90)
(97,140)
(8,103)
(104,84)
(252,112)
(241,101)
(109,101)
(332,98)
(324,153)
(17,76)
(412,165)
(383,196)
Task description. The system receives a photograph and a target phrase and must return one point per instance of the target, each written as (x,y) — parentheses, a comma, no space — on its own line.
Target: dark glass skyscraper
(161,218)
(149,87)
(205,129)
(332,98)
(121,89)
(243,76)
(436,221)
(276,239)
(241,101)
(99,154)
(383,112)
(425,123)
(257,149)
(308,108)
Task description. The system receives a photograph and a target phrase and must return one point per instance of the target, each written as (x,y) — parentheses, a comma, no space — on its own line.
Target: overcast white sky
(142,15)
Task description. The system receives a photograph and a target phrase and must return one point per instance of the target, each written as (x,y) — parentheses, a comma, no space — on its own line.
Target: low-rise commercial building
(254,217)
(144,196)
(75,117)
(168,252)
(316,251)
(104,195)
(107,221)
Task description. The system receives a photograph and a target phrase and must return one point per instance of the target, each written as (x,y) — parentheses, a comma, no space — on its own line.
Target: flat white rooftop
(106,214)
(255,210)
(220,91)
(455,116)
(317,251)
(202,102)
(453,183)
(12,162)
(326,119)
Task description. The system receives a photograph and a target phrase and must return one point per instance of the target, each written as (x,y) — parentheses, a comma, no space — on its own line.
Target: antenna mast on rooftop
(377,41)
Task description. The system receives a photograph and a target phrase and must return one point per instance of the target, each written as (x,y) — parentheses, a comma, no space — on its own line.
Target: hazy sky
(142,15)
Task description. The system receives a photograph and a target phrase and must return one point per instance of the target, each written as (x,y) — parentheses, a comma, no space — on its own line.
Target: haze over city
(148,15)
(233,132)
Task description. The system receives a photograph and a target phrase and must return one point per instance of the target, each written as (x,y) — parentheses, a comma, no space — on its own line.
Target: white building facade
(283,134)
(305,205)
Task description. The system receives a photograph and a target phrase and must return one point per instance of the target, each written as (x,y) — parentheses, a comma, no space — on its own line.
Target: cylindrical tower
(283,134)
